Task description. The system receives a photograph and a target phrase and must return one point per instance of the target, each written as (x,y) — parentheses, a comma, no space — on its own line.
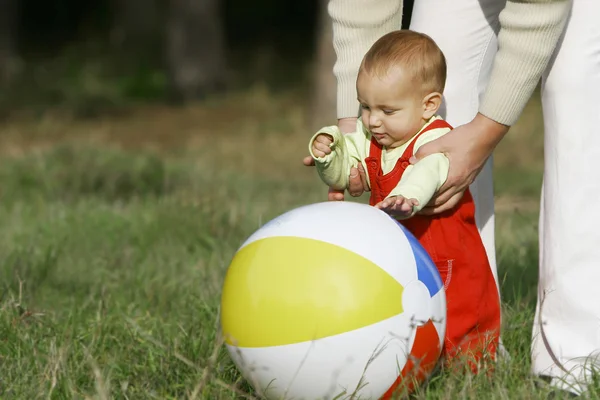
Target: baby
(400,85)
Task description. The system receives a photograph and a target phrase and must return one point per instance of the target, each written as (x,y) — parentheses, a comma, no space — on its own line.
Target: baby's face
(392,107)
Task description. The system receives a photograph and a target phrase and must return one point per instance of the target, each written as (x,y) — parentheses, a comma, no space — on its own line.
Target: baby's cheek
(365,118)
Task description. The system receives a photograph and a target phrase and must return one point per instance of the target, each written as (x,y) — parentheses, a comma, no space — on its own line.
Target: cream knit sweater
(529,32)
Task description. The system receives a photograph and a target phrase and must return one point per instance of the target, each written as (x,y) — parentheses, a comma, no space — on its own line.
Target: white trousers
(566,331)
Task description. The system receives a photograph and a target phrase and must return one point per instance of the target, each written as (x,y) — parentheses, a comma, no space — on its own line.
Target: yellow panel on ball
(283,289)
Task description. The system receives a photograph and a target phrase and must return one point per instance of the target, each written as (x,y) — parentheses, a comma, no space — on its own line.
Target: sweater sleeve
(357,24)
(529,33)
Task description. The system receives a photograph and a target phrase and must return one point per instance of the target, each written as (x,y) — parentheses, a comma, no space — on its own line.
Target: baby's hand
(320,146)
(398,206)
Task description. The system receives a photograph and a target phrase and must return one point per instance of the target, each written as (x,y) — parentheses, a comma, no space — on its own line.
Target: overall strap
(437,124)
(375,149)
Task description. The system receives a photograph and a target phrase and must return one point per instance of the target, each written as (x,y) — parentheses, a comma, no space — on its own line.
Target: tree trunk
(323,105)
(8,51)
(195,49)
(136,31)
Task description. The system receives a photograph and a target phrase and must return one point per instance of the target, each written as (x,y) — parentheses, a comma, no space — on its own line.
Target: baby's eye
(388,112)
(364,107)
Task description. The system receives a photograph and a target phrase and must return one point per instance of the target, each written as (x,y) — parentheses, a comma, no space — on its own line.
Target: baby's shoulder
(438,127)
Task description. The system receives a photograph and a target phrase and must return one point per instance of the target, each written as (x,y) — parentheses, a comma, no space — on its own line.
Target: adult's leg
(466,31)
(566,334)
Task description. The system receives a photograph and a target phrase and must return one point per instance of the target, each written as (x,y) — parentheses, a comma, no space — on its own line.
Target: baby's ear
(431,104)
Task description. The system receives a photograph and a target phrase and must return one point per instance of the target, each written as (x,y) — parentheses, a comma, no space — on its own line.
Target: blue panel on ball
(426,270)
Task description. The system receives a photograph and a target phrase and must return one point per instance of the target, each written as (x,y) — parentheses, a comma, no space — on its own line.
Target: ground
(117,230)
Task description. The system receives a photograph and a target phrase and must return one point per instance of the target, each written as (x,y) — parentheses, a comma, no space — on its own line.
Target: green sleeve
(422,180)
(347,150)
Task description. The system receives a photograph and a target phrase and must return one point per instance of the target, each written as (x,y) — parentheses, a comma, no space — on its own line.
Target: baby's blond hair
(412,51)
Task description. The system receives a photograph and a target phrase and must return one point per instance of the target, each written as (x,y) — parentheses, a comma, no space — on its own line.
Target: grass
(116,234)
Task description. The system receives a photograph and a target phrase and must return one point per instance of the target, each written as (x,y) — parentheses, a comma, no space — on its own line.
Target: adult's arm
(357,24)
(529,33)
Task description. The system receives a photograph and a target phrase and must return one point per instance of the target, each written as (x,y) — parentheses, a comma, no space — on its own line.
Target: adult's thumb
(425,150)
(421,153)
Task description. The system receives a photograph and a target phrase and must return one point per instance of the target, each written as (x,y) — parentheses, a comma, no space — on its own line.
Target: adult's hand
(467,148)
(357,182)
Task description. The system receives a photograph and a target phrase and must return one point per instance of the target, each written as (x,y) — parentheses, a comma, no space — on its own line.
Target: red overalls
(453,242)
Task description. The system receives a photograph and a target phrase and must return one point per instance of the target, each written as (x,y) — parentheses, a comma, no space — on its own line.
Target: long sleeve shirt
(419,181)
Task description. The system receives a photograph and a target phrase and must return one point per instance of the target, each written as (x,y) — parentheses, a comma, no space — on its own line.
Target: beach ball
(332,300)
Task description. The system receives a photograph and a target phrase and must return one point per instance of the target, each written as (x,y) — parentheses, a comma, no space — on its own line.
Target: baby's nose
(374,121)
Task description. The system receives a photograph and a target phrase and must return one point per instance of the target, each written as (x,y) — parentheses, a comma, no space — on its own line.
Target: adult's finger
(435,146)
(363,177)
(308,161)
(355,185)
(335,195)
(446,205)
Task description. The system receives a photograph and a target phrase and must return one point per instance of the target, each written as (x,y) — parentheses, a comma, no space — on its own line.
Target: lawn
(117,231)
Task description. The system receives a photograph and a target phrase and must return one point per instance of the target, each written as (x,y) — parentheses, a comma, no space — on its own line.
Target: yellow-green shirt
(419,181)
